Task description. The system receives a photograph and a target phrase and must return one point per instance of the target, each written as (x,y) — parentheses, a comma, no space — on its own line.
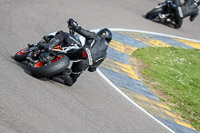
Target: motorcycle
(57,62)
(163,13)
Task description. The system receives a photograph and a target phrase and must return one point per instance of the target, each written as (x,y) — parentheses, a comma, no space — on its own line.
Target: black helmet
(106,34)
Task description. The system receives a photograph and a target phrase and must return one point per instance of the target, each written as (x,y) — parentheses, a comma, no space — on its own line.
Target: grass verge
(176,72)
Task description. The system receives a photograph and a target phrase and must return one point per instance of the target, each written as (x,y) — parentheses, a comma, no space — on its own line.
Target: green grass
(177,72)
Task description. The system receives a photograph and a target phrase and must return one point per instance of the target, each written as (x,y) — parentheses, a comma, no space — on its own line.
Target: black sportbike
(164,13)
(47,64)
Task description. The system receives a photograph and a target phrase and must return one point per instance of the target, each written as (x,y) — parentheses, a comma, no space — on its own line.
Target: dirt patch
(138,67)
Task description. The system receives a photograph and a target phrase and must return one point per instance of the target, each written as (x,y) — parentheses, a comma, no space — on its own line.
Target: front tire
(58,65)
(178,23)
(153,13)
(22,54)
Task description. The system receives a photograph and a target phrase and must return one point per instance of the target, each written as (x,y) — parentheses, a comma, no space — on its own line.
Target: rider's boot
(67,78)
(161,16)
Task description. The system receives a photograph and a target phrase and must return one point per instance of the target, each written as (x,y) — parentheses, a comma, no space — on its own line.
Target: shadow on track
(159,22)
(25,67)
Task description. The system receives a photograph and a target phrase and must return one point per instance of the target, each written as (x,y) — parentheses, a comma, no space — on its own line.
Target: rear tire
(154,13)
(22,54)
(59,64)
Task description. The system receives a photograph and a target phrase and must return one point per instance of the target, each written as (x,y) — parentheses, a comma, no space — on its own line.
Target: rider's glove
(73,24)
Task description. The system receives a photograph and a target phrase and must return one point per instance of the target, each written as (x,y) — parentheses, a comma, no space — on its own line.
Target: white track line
(130,100)
(154,33)
(122,93)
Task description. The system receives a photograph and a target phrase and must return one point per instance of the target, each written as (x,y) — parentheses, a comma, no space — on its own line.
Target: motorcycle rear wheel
(57,65)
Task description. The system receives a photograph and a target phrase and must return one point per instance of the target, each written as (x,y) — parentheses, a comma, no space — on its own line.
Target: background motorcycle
(164,13)
(45,63)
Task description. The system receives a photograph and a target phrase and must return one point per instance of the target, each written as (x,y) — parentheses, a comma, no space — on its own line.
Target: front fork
(164,17)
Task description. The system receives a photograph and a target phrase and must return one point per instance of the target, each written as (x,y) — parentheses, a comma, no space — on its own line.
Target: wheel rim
(24,51)
(41,64)
(56,59)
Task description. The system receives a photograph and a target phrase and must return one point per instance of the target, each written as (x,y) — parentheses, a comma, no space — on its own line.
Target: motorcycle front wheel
(57,65)
(22,54)
(154,13)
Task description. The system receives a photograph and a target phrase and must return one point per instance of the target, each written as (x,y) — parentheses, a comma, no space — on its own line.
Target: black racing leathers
(178,19)
(189,8)
(95,47)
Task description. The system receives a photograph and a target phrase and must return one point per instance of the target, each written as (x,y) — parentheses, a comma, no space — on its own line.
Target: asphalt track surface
(31,105)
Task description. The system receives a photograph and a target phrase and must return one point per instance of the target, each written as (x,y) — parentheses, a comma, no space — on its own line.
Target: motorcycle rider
(95,46)
(188,8)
